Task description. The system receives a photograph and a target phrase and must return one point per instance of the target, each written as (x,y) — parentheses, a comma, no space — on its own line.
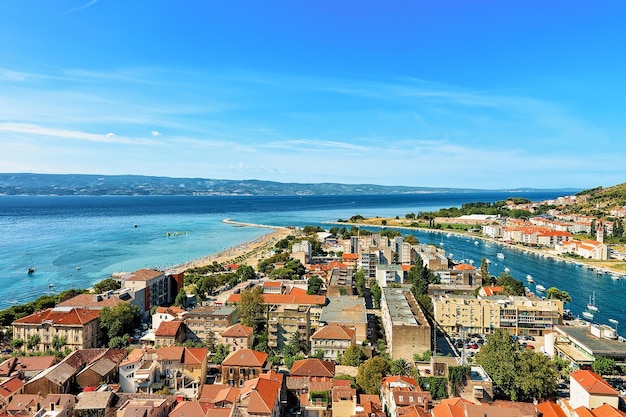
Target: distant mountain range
(79,184)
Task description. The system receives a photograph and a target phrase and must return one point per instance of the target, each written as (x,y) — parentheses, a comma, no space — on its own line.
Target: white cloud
(32,129)
(156,133)
(84,6)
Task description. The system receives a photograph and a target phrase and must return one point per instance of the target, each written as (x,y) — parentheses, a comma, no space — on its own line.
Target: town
(326,323)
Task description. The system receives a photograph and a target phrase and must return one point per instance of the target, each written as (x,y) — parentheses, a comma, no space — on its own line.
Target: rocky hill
(600,201)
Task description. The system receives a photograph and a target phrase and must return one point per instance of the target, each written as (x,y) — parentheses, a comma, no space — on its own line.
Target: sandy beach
(249,253)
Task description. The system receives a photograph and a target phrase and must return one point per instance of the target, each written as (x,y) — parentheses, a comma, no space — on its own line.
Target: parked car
(473,346)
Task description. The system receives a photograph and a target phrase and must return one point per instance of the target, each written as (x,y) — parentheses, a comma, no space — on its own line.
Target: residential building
(94,404)
(9,388)
(137,372)
(243,365)
(155,284)
(406,328)
(78,327)
(207,322)
(455,407)
(140,407)
(286,320)
(389,274)
(347,311)
(182,369)
(590,390)
(26,367)
(343,399)
(333,340)
(24,405)
(517,315)
(581,345)
(57,405)
(312,368)
(237,337)
(340,282)
(260,397)
(169,333)
(402,391)
(162,314)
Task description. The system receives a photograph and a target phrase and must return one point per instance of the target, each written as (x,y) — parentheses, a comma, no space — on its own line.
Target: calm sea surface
(77,241)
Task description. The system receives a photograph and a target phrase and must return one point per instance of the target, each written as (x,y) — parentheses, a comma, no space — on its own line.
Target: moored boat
(591,306)
(588,315)
(529,278)
(540,288)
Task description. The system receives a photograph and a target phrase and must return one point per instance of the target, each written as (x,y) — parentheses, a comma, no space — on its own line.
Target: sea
(76,241)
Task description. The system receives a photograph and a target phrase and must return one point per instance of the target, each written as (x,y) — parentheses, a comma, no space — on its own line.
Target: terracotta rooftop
(272,284)
(593,383)
(194,356)
(245,357)
(237,330)
(605,410)
(464,267)
(187,408)
(134,356)
(291,298)
(143,275)
(335,332)
(262,395)
(169,328)
(172,311)
(91,301)
(65,316)
(170,353)
(313,367)
(550,409)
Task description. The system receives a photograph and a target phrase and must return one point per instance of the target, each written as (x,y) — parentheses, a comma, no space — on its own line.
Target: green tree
(220,354)
(251,308)
(353,356)
(181,299)
(314,285)
(109,284)
(319,354)
(484,271)
(536,377)
(376,294)
(359,282)
(58,342)
(510,286)
(17,344)
(119,342)
(603,366)
(33,341)
(371,373)
(410,239)
(400,367)
(119,320)
(245,273)
(555,293)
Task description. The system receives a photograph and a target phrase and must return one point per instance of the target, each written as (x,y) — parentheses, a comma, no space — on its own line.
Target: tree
(555,293)
(245,273)
(410,239)
(400,367)
(371,373)
(33,341)
(376,294)
(518,374)
(17,343)
(353,356)
(109,284)
(359,282)
(119,342)
(119,320)
(251,308)
(510,286)
(484,271)
(220,354)
(314,285)
(602,365)
(58,342)
(181,299)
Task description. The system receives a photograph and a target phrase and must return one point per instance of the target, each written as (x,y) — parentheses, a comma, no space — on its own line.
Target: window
(242,371)
(231,370)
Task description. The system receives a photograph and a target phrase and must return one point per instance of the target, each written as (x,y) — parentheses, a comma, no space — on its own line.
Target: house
(237,337)
(102,368)
(8,390)
(143,408)
(402,391)
(162,314)
(26,367)
(456,407)
(77,327)
(550,409)
(188,409)
(369,406)
(242,365)
(169,333)
(94,404)
(311,380)
(333,340)
(605,410)
(25,405)
(137,372)
(590,390)
(312,367)
(343,399)
(218,396)
(260,397)
(182,369)
(57,405)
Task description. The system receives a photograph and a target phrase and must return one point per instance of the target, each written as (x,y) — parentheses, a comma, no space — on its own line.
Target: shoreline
(244,253)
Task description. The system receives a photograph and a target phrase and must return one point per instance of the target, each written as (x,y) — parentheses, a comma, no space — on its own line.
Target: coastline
(249,253)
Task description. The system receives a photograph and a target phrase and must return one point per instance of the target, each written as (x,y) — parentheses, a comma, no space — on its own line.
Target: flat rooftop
(582,337)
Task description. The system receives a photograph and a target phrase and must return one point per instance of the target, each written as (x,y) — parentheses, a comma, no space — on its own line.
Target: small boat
(476,242)
(506,269)
(488,260)
(50,285)
(530,279)
(592,303)
(615,277)
(613,321)
(500,255)
(31,270)
(448,234)
(588,315)
(540,288)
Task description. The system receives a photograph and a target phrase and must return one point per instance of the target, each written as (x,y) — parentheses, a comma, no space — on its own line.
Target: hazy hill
(75,184)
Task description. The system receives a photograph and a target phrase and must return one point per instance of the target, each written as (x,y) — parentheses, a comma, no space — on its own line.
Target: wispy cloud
(156,133)
(71,134)
(84,6)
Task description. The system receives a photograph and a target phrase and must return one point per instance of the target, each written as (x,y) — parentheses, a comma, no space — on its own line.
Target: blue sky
(490,94)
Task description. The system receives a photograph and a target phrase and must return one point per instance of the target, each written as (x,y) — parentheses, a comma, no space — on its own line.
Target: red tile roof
(334,332)
(291,298)
(313,367)
(550,409)
(350,256)
(169,328)
(170,353)
(172,311)
(143,275)
(237,330)
(464,267)
(188,408)
(593,383)
(64,316)
(194,356)
(245,357)
(272,284)
(263,395)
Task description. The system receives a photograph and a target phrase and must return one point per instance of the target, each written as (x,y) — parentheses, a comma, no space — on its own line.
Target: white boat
(448,234)
(506,269)
(475,242)
(615,277)
(529,278)
(613,321)
(540,288)
(592,303)
(500,255)
(588,315)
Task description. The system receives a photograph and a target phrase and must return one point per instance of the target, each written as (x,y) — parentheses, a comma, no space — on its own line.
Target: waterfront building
(581,345)
(78,326)
(432,257)
(406,328)
(155,285)
(517,315)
